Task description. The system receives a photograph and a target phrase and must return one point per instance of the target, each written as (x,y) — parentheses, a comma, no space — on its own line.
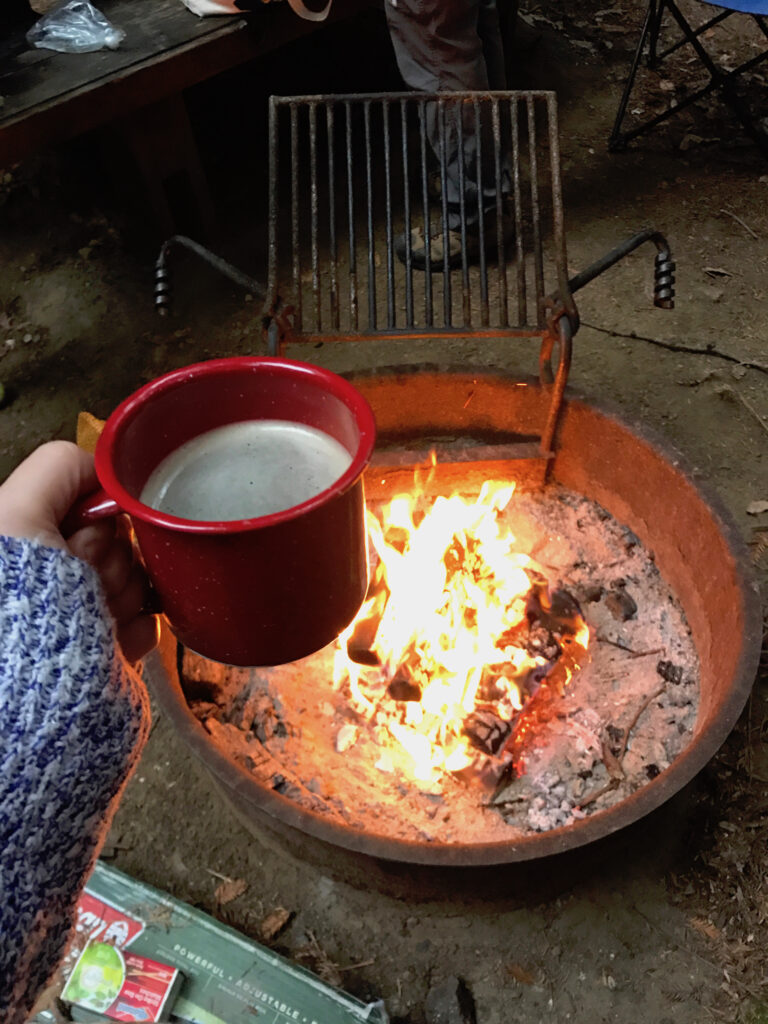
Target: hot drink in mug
(246,470)
(243,481)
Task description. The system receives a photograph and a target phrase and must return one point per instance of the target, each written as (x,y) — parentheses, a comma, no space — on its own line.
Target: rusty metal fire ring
(644,485)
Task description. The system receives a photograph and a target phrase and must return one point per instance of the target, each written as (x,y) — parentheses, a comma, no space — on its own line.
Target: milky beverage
(245,470)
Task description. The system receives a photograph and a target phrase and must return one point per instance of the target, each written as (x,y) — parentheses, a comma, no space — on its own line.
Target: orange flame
(447,592)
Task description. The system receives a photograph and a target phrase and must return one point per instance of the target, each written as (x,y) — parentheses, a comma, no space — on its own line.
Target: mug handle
(89,509)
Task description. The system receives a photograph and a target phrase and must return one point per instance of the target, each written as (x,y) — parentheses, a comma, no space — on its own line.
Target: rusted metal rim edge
(241,785)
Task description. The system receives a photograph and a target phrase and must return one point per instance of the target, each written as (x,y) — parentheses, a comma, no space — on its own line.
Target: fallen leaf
(704,927)
(759,543)
(717,272)
(756,508)
(689,141)
(519,973)
(229,890)
(274,923)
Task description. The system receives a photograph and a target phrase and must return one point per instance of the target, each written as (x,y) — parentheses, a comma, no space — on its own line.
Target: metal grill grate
(365,171)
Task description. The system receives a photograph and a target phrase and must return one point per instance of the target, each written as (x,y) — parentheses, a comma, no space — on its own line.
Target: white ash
(327,756)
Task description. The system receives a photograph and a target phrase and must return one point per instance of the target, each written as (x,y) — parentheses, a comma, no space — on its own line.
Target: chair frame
(719,80)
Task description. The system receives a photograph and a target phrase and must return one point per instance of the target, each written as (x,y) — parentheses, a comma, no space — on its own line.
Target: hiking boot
(439,241)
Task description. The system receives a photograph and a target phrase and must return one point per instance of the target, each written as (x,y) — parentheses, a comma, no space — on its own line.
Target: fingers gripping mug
(242,478)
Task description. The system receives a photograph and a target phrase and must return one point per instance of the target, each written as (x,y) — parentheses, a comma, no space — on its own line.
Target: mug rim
(131,406)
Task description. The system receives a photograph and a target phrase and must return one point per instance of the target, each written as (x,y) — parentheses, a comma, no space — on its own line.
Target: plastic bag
(74,27)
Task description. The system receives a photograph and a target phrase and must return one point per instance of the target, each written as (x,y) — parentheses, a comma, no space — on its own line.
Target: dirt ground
(678,925)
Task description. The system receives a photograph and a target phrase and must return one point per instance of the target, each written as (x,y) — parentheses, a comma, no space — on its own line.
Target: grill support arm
(663,273)
(163,274)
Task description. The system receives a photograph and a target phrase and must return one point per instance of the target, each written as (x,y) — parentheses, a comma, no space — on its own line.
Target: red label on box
(100,921)
(145,990)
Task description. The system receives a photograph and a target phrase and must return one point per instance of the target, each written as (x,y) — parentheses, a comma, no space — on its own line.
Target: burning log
(449,590)
(359,652)
(360,645)
(402,688)
(556,610)
(540,642)
(494,684)
(486,731)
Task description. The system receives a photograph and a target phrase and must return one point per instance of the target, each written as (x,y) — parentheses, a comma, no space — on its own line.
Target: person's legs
(489,31)
(455,46)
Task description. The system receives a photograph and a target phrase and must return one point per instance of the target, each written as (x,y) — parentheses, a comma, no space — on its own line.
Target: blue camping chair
(720,80)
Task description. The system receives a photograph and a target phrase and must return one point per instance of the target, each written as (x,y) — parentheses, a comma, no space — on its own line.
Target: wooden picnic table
(48,97)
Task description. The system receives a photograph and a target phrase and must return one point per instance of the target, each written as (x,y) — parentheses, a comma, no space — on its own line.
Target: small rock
(670,672)
(620,604)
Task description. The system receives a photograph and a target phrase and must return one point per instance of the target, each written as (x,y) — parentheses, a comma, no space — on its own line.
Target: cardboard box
(122,985)
(228,979)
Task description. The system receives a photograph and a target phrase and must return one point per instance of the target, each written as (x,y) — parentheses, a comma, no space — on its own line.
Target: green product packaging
(227,978)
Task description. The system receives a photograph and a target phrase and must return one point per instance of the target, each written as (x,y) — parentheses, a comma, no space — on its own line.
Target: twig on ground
(633,723)
(597,793)
(354,967)
(743,224)
(218,874)
(613,762)
(622,647)
(747,405)
(709,350)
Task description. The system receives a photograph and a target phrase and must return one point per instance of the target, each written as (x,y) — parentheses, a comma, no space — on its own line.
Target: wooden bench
(47,98)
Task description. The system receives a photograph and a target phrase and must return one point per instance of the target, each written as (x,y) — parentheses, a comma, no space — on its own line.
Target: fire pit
(696,549)
(676,552)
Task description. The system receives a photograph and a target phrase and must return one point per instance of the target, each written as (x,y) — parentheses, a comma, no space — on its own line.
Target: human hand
(34,501)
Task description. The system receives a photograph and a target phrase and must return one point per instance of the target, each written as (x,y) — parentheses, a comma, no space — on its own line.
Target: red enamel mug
(260,591)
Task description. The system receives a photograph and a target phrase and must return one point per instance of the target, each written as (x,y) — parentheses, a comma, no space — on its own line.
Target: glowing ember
(457,634)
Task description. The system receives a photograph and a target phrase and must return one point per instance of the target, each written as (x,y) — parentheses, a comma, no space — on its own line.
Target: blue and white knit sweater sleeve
(73,720)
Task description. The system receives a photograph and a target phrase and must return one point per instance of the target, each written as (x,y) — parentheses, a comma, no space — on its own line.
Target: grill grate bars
(377,183)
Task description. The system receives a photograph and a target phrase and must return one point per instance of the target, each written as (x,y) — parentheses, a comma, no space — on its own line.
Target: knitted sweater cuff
(74,720)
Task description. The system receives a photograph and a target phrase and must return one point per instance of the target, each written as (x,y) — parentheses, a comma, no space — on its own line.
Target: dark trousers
(455,46)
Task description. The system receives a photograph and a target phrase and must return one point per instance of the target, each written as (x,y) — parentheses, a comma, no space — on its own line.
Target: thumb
(39,493)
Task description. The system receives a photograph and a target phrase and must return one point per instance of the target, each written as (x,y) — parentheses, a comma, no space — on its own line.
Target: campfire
(655,572)
(459,633)
(518,664)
